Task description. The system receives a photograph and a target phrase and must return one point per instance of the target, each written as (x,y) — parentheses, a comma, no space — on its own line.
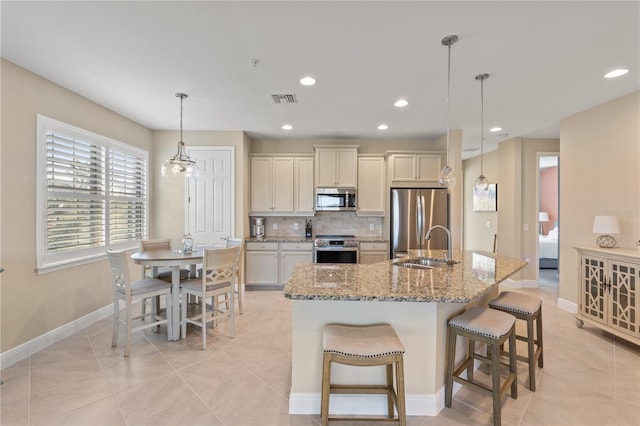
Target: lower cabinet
(373,253)
(609,291)
(271,263)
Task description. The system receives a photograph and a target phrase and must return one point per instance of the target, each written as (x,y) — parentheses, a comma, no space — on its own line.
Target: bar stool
(364,345)
(492,328)
(529,309)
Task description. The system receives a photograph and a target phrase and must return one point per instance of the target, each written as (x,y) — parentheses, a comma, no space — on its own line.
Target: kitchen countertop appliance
(413,212)
(257,227)
(336,249)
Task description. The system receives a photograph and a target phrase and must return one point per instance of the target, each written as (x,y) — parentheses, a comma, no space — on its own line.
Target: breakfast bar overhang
(416,302)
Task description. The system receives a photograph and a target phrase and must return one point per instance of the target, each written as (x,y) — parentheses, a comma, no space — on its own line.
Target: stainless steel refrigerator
(413,212)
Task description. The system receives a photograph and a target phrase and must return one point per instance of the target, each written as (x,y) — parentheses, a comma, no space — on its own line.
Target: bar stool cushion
(485,322)
(361,341)
(516,302)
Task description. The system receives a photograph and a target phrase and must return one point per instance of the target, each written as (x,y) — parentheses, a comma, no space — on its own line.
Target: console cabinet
(609,291)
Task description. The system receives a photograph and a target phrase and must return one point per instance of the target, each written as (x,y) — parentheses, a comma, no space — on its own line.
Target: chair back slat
(119,271)
(220,265)
(146,245)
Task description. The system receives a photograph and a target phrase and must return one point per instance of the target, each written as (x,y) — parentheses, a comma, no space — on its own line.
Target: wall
(477,236)
(599,175)
(549,196)
(31,304)
(169,194)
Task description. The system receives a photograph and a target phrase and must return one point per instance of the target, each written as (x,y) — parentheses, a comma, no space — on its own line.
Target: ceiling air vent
(284,99)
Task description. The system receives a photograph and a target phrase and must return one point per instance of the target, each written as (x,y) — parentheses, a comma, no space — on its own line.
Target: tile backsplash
(343,223)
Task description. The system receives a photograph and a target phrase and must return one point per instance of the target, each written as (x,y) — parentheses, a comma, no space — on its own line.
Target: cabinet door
(403,167)
(289,260)
(624,297)
(325,167)
(282,184)
(346,167)
(303,185)
(262,267)
(427,167)
(592,276)
(261,184)
(368,257)
(371,186)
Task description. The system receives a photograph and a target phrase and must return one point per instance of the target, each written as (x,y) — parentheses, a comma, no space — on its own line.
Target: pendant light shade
(482,183)
(447,174)
(180,165)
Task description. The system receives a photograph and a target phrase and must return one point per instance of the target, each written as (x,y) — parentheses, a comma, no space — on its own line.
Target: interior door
(210,198)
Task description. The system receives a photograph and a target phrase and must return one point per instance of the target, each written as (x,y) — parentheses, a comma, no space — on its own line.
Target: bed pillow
(553,234)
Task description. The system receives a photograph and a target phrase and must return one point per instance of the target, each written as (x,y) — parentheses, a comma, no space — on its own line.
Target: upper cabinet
(336,166)
(415,167)
(282,185)
(371,186)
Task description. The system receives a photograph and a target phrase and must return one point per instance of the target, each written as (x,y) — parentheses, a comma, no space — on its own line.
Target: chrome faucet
(447,256)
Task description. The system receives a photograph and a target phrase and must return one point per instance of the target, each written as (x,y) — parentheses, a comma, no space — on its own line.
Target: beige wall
(599,175)
(169,194)
(32,304)
(477,236)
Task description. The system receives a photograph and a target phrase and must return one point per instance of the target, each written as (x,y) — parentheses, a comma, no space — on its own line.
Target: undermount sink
(424,263)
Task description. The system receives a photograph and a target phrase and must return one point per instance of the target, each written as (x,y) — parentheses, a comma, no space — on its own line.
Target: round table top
(165,255)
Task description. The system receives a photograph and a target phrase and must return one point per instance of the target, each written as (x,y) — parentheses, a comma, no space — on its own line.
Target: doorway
(548,219)
(210,198)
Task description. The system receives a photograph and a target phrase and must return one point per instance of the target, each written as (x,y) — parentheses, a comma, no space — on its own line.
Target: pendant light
(180,165)
(447,175)
(482,184)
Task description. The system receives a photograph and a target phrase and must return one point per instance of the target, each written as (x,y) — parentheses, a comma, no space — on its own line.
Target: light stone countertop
(477,273)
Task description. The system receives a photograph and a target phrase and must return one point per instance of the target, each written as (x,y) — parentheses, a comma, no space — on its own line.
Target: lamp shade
(606,225)
(543,217)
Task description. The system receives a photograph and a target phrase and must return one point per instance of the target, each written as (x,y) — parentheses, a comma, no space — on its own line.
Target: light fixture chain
(448,97)
(482,126)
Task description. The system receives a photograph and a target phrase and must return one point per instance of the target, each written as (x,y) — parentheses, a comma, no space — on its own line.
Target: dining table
(174,259)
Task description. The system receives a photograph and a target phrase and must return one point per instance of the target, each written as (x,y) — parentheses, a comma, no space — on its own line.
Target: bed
(548,249)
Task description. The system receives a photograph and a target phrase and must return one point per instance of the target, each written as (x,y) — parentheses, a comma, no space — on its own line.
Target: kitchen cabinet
(282,185)
(336,166)
(303,185)
(371,186)
(415,167)
(373,252)
(609,291)
(269,264)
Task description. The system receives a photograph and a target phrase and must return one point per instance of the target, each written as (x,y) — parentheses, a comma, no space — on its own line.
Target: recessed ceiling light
(401,103)
(383,127)
(307,81)
(287,127)
(495,129)
(616,73)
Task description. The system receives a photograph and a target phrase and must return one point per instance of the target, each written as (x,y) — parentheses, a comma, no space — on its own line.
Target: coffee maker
(257,227)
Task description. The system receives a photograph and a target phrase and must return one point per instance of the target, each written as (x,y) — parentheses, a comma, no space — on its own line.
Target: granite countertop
(477,273)
(301,238)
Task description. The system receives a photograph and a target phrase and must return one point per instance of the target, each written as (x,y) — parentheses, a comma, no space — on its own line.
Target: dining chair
(129,292)
(164,274)
(222,299)
(221,266)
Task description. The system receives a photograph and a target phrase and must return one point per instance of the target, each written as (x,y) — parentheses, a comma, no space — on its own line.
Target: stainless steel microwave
(336,199)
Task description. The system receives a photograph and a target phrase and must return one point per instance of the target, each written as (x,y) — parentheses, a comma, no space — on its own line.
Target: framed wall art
(486,201)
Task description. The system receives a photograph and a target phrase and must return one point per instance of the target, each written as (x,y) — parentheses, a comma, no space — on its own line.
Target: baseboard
(567,305)
(33,346)
(375,405)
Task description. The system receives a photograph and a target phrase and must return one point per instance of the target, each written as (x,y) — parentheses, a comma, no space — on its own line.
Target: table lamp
(606,225)
(542,217)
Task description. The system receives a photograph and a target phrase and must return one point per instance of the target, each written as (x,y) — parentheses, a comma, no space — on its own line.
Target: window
(92,194)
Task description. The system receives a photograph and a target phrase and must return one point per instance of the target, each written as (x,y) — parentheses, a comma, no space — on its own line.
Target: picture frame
(486,201)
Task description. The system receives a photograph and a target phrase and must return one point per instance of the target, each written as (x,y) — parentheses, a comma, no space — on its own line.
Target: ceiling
(546,61)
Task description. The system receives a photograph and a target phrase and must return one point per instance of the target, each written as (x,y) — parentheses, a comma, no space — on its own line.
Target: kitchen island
(416,302)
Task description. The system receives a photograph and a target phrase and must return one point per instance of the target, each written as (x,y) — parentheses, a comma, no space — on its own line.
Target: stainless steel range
(336,249)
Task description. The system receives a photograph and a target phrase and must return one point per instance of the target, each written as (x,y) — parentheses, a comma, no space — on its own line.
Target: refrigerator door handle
(419,218)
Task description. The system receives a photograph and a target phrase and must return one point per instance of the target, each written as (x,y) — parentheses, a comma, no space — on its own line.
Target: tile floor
(589,378)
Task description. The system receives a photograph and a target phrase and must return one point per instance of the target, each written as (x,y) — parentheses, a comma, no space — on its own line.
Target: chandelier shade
(180,165)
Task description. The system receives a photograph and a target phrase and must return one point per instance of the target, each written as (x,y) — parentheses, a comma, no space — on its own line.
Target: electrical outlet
(488,224)
(372,227)
(274,226)
(295,226)
(526,227)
